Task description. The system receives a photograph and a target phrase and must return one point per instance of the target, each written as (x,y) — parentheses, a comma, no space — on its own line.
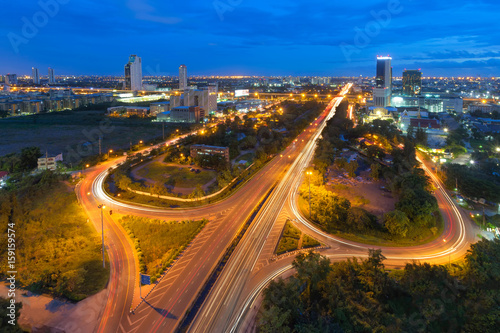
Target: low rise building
(159,107)
(186,114)
(201,150)
(140,111)
(49,162)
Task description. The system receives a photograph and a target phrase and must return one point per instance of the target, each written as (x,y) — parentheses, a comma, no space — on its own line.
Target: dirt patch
(362,191)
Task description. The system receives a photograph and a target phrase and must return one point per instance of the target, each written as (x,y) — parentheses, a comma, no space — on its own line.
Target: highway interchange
(228,307)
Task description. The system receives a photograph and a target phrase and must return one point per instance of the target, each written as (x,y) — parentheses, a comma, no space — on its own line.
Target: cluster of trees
(418,135)
(455,141)
(472,182)
(493,115)
(416,208)
(362,296)
(26,160)
(334,213)
(57,251)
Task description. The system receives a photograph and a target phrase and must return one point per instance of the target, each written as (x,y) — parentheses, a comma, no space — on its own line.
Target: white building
(49,163)
(183,77)
(35,75)
(133,73)
(433,102)
(52,78)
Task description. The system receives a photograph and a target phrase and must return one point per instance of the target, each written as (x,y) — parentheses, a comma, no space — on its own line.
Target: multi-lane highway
(240,280)
(166,305)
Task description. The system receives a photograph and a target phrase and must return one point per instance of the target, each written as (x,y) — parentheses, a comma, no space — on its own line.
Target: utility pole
(163,128)
(101,207)
(309,178)
(484,218)
(99,145)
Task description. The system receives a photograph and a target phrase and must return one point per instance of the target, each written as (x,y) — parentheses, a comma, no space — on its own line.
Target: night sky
(278,37)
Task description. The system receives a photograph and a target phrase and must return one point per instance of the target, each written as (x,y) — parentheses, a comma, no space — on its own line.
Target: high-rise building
(412,82)
(10,79)
(183,85)
(35,75)
(383,82)
(52,77)
(133,73)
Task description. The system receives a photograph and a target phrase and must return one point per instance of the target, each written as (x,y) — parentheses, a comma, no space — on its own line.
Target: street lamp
(309,173)
(101,207)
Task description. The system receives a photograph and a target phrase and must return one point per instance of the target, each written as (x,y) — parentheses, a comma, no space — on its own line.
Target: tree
(359,219)
(158,188)
(197,193)
(421,136)
(375,171)
(122,181)
(351,168)
(397,223)
(374,152)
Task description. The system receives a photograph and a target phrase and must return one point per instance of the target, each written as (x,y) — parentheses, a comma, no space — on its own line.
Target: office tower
(10,79)
(52,78)
(35,75)
(133,73)
(183,77)
(383,82)
(412,82)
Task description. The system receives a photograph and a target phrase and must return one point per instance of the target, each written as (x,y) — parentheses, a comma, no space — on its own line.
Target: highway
(218,309)
(166,305)
(239,285)
(241,281)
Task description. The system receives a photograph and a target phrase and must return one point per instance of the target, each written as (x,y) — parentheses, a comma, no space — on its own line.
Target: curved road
(240,281)
(172,296)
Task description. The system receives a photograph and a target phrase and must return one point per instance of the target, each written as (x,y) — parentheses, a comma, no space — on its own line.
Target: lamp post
(101,207)
(309,173)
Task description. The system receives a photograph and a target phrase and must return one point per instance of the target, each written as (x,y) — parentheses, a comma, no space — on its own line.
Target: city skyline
(289,39)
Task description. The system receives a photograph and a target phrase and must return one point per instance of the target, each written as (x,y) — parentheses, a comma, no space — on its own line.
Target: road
(218,309)
(240,282)
(167,303)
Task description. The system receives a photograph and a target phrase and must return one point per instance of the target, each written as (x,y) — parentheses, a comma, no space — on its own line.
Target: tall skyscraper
(383,82)
(183,83)
(35,75)
(412,82)
(10,79)
(52,78)
(133,73)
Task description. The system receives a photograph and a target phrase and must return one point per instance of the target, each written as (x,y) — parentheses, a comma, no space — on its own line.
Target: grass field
(174,175)
(293,239)
(67,131)
(57,251)
(158,242)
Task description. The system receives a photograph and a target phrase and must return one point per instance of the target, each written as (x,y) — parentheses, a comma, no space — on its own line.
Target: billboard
(241,93)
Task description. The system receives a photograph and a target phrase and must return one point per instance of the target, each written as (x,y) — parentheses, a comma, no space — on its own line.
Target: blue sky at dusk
(449,38)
